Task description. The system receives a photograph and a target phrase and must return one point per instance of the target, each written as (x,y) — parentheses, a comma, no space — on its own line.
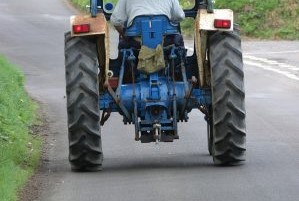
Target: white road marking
(278,52)
(285,73)
(287,70)
(284,69)
(271,62)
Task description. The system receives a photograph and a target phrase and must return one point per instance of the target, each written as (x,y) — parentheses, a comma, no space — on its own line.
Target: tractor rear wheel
(82,92)
(228,98)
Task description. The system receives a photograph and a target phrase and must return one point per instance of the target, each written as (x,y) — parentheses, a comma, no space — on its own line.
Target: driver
(127,10)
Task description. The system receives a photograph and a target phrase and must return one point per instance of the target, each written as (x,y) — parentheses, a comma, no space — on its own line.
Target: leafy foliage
(275,19)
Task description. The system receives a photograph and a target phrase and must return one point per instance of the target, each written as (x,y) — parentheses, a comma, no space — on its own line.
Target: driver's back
(126,10)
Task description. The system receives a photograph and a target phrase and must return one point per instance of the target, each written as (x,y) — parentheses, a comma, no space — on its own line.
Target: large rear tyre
(228,98)
(82,90)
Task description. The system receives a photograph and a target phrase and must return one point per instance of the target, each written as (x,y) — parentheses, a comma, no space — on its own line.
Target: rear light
(81,28)
(222,24)
(113,81)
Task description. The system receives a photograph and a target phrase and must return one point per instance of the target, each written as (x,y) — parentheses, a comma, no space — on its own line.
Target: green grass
(19,150)
(267,19)
(80,4)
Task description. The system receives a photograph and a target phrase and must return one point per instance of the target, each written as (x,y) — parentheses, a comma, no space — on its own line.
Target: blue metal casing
(156,98)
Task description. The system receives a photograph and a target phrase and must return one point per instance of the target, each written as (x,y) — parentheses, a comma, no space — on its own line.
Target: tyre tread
(228,98)
(85,149)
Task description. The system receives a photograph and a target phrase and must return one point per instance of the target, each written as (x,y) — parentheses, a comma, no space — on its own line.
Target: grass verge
(81,4)
(19,149)
(267,19)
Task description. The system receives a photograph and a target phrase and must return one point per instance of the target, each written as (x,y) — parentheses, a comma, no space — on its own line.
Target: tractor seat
(151,29)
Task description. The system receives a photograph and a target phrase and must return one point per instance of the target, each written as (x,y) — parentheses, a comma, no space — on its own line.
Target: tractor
(155,86)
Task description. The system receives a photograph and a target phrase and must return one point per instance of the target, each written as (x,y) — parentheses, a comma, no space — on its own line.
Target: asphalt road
(31,35)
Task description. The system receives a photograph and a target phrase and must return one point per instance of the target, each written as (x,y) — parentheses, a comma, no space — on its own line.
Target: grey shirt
(127,10)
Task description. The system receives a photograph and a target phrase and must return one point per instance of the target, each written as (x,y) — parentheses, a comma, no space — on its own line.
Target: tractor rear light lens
(222,24)
(113,81)
(81,28)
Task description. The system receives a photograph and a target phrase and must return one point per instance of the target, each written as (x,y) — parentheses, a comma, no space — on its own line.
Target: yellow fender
(204,23)
(99,29)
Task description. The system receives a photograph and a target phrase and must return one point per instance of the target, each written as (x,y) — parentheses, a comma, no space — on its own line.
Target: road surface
(31,35)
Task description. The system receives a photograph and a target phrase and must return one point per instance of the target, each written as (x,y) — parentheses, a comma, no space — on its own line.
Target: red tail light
(81,28)
(222,24)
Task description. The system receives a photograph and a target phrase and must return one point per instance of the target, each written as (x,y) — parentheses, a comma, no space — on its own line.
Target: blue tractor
(154,84)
